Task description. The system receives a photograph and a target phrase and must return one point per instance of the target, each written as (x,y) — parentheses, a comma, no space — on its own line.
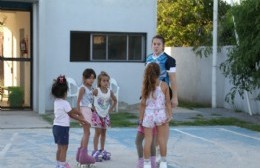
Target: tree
(243,63)
(189,22)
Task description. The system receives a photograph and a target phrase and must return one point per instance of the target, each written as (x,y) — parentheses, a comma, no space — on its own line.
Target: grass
(124,119)
(191,105)
(217,121)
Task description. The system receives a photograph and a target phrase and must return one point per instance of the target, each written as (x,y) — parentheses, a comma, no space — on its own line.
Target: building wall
(194,75)
(62,16)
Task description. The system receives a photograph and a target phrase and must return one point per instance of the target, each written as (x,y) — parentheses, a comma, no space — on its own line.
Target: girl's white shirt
(61,109)
(87,98)
(102,102)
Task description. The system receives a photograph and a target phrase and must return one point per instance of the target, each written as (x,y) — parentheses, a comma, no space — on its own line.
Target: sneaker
(147,164)
(163,165)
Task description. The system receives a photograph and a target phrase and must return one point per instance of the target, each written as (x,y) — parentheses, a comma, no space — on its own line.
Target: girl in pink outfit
(155,111)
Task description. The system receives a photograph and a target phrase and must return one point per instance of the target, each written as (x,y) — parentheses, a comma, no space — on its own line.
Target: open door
(15,56)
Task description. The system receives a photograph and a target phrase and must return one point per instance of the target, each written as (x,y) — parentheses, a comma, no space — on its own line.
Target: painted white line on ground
(7,146)
(194,136)
(237,133)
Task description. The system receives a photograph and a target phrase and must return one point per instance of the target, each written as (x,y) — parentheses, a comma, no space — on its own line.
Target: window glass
(107,46)
(99,47)
(117,47)
(135,48)
(79,46)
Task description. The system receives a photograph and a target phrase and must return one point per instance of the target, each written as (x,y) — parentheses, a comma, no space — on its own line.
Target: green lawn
(124,119)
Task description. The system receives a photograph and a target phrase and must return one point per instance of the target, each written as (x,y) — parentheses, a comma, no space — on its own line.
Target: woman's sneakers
(163,164)
(147,164)
(97,155)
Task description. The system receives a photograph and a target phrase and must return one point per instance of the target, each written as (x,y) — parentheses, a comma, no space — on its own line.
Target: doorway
(15,55)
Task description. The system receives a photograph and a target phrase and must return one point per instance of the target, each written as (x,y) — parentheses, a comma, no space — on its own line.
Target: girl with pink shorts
(85,105)
(155,111)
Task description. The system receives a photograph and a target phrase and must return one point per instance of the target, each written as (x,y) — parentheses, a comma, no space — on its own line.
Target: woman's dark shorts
(61,134)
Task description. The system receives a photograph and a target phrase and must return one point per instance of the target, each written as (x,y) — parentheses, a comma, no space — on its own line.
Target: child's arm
(80,96)
(114,101)
(141,110)
(168,105)
(75,114)
(95,92)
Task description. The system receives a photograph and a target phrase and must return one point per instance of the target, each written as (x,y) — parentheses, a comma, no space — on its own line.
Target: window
(107,47)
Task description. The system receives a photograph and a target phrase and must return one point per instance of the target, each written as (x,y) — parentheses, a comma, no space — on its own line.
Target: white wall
(63,16)
(194,76)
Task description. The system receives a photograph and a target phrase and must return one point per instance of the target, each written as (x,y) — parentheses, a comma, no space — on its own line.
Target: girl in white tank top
(100,118)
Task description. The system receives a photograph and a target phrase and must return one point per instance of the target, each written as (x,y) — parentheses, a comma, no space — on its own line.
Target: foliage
(16,96)
(189,22)
(243,63)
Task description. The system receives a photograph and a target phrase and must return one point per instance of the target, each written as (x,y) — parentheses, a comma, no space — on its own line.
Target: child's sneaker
(105,155)
(97,155)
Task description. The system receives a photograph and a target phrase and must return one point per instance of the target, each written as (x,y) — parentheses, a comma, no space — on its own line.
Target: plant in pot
(16,96)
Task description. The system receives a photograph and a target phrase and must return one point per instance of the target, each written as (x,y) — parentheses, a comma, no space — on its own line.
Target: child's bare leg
(85,138)
(153,147)
(139,144)
(62,152)
(148,137)
(96,138)
(103,138)
(163,138)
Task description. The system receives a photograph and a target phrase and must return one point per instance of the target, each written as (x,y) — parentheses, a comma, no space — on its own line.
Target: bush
(16,96)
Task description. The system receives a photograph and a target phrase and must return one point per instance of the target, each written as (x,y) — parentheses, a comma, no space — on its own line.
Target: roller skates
(140,163)
(84,160)
(97,155)
(105,155)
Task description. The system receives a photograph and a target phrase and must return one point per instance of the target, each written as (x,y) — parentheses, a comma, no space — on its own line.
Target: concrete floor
(26,141)
(188,147)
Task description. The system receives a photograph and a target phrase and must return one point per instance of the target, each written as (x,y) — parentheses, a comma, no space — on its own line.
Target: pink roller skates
(84,160)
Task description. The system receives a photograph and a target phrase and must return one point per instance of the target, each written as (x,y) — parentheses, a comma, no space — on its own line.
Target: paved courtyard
(188,147)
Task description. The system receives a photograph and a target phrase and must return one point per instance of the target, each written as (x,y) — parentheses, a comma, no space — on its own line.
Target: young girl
(155,110)
(101,121)
(85,105)
(61,123)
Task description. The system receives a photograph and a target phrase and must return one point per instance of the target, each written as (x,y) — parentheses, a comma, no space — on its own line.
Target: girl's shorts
(100,122)
(87,114)
(61,134)
(141,129)
(154,118)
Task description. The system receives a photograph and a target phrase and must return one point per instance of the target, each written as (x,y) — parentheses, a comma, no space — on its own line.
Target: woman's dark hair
(59,87)
(159,37)
(88,72)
